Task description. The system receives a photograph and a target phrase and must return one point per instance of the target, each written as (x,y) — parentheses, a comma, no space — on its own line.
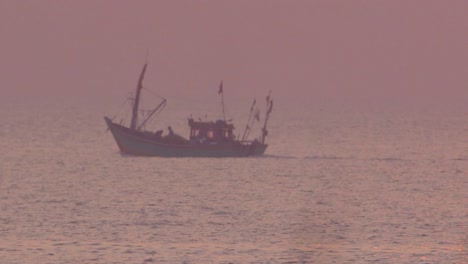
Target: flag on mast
(220,88)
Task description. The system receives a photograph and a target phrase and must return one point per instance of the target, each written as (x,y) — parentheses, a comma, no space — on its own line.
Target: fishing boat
(205,138)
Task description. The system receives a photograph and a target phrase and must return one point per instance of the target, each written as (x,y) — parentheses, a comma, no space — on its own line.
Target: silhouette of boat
(206,138)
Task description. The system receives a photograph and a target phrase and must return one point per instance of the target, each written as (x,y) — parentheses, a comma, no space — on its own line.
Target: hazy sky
(315,49)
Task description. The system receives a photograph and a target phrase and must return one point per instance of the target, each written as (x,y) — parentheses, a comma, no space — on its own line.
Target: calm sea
(338,184)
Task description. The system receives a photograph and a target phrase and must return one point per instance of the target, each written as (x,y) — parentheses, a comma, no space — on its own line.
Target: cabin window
(194,132)
(209,134)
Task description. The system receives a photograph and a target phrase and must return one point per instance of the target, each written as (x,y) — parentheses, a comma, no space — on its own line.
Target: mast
(136,101)
(270,107)
(247,127)
(222,99)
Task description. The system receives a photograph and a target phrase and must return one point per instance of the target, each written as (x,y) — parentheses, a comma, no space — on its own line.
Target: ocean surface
(338,184)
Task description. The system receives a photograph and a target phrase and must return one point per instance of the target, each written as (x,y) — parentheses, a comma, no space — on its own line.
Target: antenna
(147,55)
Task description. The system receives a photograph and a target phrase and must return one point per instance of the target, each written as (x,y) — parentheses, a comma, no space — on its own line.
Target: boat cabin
(210,131)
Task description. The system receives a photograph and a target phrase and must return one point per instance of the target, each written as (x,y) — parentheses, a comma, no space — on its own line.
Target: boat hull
(136,143)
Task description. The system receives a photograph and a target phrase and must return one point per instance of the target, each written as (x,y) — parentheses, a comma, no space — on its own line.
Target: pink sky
(315,49)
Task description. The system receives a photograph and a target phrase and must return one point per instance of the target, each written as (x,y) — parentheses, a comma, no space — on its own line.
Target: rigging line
(154,112)
(121,108)
(153,93)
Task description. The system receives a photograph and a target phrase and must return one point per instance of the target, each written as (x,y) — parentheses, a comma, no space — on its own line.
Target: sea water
(338,184)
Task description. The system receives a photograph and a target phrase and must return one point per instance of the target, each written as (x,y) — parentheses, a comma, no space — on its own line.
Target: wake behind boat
(206,138)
